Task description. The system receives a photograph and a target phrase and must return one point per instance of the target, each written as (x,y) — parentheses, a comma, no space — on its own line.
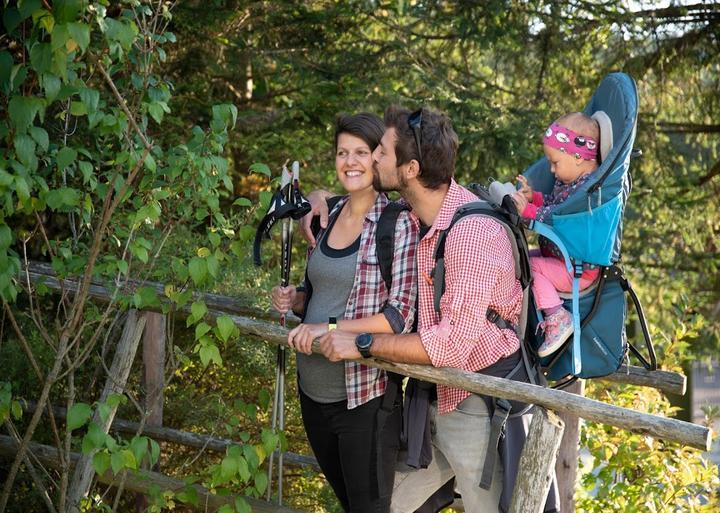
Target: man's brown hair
(438,140)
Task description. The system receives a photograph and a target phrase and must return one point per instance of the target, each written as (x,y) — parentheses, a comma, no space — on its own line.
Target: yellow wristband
(332,323)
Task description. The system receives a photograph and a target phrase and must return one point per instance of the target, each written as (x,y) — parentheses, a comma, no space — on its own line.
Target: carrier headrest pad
(606,133)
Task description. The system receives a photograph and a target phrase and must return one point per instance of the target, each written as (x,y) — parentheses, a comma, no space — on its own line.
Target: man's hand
(339,345)
(318,206)
(301,337)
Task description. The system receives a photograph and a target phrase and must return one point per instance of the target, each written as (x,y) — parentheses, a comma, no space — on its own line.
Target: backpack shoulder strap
(517,242)
(385,239)
(315,223)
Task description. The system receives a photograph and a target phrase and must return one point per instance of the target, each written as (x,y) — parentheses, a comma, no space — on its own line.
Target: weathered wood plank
(566,465)
(537,462)
(176,436)
(142,480)
(117,378)
(671,382)
(674,430)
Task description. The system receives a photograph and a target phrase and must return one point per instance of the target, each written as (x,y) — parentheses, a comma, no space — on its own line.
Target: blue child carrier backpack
(587,228)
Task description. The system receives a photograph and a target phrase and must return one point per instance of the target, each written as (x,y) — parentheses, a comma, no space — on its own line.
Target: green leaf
(261,482)
(51,85)
(156,112)
(78,109)
(6,64)
(123,33)
(96,435)
(154,452)
(86,169)
(226,508)
(41,57)
(243,469)
(226,326)
(198,310)
(80,32)
(40,136)
(242,202)
(210,353)
(101,462)
(146,297)
(90,98)
(198,269)
(22,110)
(65,157)
(242,506)
(27,7)
(24,148)
(228,468)
(150,164)
(261,168)
(62,198)
(139,447)
(117,462)
(6,237)
(11,18)
(78,415)
(201,329)
(67,10)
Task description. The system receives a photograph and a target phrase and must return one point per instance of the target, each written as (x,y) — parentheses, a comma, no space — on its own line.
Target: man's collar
(447,210)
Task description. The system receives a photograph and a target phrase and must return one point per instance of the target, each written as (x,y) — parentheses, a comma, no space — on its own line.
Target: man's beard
(378,185)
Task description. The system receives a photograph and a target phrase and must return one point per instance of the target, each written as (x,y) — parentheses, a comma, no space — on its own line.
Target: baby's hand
(525,188)
(520,201)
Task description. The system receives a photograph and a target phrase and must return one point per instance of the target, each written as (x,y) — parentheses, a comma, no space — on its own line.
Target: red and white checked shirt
(369,296)
(479,273)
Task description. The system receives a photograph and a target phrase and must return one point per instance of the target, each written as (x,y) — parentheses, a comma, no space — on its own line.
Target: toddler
(571,146)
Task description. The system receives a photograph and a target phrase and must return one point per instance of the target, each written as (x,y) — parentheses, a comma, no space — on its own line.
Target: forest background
(142,139)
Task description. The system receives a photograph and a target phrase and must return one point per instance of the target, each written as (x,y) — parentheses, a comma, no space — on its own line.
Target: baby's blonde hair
(582,124)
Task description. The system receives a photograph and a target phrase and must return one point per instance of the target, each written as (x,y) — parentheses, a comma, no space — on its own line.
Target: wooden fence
(545,432)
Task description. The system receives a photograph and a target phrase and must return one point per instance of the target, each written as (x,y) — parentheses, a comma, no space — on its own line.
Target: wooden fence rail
(186,438)
(670,382)
(142,481)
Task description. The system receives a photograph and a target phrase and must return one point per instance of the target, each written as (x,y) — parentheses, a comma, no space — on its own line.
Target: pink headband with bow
(568,141)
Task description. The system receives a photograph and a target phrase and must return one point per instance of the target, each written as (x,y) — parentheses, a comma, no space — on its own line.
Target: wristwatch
(364,342)
(332,323)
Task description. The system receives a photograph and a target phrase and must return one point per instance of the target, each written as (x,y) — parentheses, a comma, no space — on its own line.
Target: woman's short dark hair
(364,125)
(439,144)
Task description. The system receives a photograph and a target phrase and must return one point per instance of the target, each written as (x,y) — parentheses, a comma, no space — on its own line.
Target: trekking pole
(286,204)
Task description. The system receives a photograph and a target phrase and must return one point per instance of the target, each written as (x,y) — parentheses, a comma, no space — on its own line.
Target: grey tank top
(332,274)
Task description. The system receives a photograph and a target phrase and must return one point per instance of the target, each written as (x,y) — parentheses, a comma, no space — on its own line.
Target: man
(416,157)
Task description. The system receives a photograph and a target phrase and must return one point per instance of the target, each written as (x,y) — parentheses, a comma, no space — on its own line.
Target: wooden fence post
(537,463)
(566,467)
(115,384)
(153,379)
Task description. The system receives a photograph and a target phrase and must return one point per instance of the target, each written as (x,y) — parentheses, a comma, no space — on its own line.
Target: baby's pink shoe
(558,327)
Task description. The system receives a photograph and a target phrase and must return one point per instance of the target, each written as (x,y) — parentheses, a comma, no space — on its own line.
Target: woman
(351,412)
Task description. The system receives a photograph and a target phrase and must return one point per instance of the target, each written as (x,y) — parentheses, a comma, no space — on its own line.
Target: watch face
(364,340)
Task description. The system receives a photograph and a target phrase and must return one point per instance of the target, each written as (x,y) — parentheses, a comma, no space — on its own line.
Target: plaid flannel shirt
(369,295)
(479,273)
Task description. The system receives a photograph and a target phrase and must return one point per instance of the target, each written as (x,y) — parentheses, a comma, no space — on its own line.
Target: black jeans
(357,448)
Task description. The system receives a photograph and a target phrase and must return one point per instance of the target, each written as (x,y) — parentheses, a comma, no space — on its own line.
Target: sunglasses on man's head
(415,124)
